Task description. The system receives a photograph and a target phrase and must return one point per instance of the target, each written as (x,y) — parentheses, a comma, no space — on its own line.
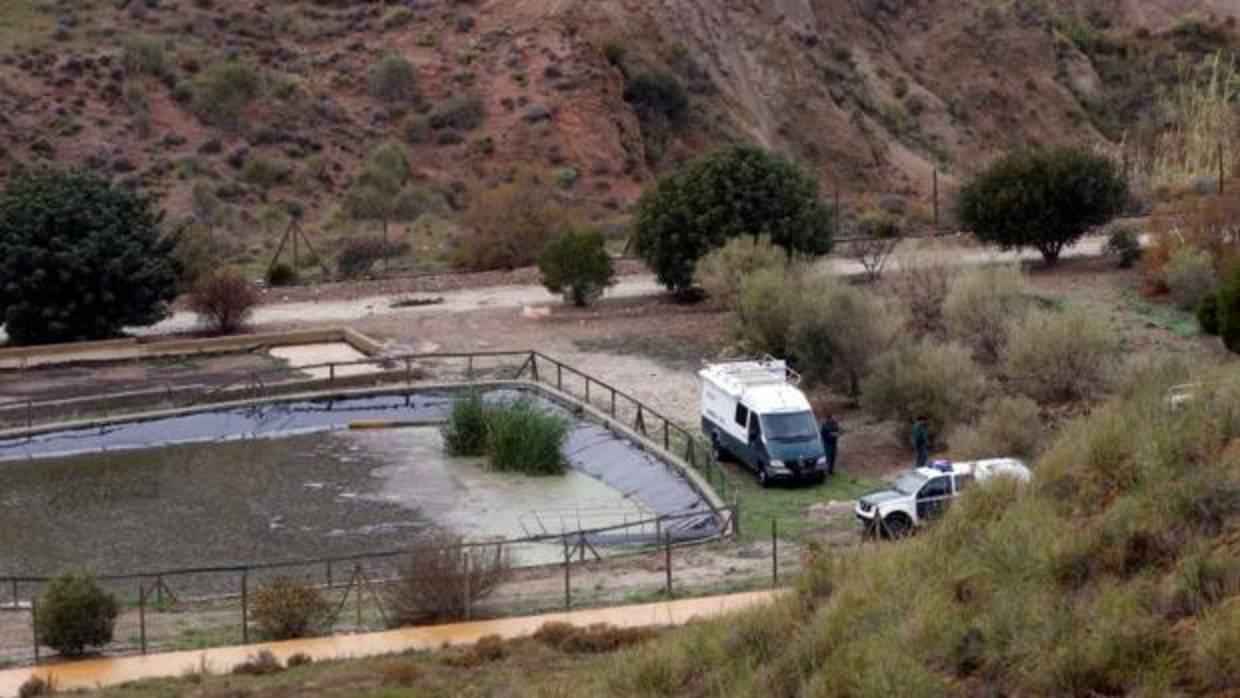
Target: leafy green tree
(379,193)
(1228,299)
(79,258)
(393,81)
(576,265)
(1044,198)
(76,613)
(739,190)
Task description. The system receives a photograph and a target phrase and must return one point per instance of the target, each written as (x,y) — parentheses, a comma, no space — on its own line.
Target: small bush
(436,576)
(765,308)
(1008,426)
(261,664)
(415,129)
(35,686)
(264,174)
(463,113)
(1190,276)
(938,381)
(1228,295)
(598,638)
(222,91)
(401,673)
(285,608)
(76,613)
(1216,646)
(490,648)
(980,305)
(144,55)
(837,330)
(223,300)
(360,253)
(508,226)
(299,659)
(1059,357)
(1124,245)
(282,274)
(465,430)
(1207,314)
(657,94)
(392,81)
(523,438)
(722,271)
(921,285)
(576,265)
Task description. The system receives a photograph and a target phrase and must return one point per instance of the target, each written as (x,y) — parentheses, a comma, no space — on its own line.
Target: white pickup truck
(924,494)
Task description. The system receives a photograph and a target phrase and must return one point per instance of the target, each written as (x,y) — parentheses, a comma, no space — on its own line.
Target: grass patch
(787,505)
(1181,323)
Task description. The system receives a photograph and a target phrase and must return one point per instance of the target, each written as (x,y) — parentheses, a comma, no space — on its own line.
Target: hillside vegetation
(241,115)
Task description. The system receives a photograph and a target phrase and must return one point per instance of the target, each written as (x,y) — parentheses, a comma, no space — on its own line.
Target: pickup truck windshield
(910,482)
(798,426)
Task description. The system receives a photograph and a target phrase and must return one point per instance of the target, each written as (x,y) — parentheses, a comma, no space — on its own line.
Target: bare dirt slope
(870,95)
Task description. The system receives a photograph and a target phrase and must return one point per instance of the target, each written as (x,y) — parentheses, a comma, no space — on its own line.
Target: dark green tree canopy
(739,190)
(79,258)
(576,265)
(1044,198)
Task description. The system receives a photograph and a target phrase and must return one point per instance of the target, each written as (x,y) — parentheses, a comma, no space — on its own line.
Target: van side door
(740,444)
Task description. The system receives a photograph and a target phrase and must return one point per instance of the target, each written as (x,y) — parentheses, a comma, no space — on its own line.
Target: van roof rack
(761,371)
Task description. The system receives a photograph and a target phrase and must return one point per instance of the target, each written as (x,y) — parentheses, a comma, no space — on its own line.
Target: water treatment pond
(289,482)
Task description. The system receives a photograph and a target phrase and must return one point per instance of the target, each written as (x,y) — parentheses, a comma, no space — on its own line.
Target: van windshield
(798,426)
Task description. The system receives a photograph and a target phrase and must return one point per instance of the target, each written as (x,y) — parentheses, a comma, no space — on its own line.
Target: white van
(752,411)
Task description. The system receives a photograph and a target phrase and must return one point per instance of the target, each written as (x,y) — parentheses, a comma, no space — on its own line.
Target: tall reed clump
(518,436)
(1110,574)
(1207,122)
(523,438)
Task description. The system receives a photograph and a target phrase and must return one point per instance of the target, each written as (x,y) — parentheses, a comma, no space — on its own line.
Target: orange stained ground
(97,673)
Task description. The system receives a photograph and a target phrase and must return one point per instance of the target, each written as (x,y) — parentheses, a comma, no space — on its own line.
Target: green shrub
(765,308)
(838,330)
(1124,245)
(282,274)
(1059,356)
(223,90)
(524,438)
(463,113)
(144,55)
(576,265)
(1207,314)
(1216,646)
(392,80)
(657,94)
(1189,275)
(1228,295)
(415,129)
(76,230)
(1044,198)
(465,430)
(1008,426)
(36,686)
(981,304)
(264,174)
(938,381)
(922,283)
(76,613)
(284,608)
(262,664)
(722,271)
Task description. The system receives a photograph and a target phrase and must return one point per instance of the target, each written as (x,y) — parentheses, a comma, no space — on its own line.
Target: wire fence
(189,608)
(185,608)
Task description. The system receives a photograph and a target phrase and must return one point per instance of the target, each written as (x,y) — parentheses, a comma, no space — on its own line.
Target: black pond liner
(590,447)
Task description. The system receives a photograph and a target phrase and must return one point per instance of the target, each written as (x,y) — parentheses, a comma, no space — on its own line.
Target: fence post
(666,441)
(469,367)
(667,554)
(159,591)
(34,624)
(331,372)
(245,606)
(142,617)
(613,401)
(15,593)
(774,553)
(568,587)
(559,376)
(465,554)
(357,577)
(587,390)
(534,366)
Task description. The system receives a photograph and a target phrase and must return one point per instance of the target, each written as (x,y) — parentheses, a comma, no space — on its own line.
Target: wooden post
(559,376)
(357,578)
(329,574)
(245,606)
(331,372)
(142,617)
(568,588)
(468,600)
(774,553)
(667,561)
(666,441)
(159,591)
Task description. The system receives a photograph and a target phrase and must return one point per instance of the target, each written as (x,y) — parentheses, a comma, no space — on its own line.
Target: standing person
(921,441)
(830,431)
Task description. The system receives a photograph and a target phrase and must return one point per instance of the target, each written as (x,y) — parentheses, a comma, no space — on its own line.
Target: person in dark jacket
(921,441)
(830,430)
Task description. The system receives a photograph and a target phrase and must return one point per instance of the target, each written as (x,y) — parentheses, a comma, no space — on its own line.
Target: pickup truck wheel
(896,526)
